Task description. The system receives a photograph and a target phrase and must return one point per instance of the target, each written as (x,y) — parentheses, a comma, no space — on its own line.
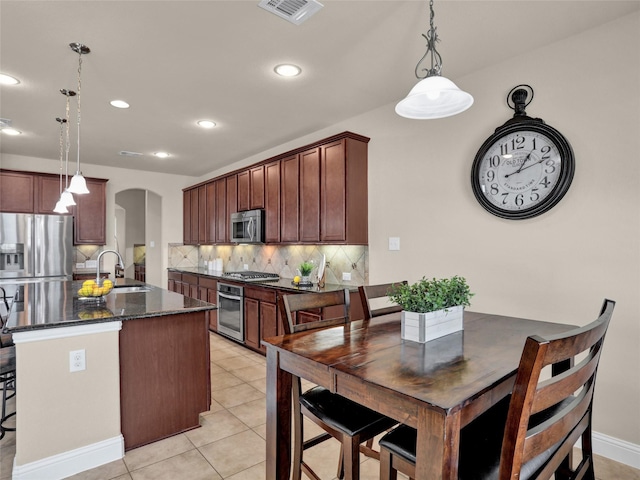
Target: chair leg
(386,471)
(351,457)
(341,463)
(298,442)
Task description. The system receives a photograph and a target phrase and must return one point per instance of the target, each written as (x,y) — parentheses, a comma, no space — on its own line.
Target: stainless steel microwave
(247,226)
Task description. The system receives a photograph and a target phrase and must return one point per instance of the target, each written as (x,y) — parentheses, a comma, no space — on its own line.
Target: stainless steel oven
(231,311)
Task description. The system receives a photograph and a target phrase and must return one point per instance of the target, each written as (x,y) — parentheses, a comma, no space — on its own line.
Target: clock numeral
(551,166)
(491,175)
(545,152)
(534,143)
(517,143)
(535,196)
(505,196)
(494,162)
(544,182)
(494,189)
(519,201)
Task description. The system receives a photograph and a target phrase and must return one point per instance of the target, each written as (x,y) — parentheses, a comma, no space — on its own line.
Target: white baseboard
(616,449)
(74,461)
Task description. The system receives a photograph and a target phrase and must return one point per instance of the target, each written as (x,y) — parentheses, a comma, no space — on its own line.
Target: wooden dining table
(437,387)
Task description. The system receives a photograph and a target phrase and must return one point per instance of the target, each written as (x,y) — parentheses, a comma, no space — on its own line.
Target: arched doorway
(138,232)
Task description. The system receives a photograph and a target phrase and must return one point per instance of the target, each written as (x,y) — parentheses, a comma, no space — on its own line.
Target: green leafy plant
(431,295)
(306,268)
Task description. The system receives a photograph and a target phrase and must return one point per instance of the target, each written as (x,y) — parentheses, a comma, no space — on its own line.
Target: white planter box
(423,327)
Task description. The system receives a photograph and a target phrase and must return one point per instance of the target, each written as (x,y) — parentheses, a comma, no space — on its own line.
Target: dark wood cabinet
(164,376)
(314,194)
(174,282)
(256,192)
(90,213)
(210,236)
(186,217)
(207,292)
(289,201)
(244,181)
(272,202)
(140,273)
(310,195)
(260,316)
(47,194)
(16,192)
(221,210)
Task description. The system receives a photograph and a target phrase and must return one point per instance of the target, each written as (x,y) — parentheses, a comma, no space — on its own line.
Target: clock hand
(534,164)
(521,165)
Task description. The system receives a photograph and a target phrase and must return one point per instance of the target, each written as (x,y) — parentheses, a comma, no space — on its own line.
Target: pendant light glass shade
(78,184)
(434,97)
(60,208)
(67,199)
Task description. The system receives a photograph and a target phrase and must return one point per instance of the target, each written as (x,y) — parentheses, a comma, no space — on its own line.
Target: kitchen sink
(131,289)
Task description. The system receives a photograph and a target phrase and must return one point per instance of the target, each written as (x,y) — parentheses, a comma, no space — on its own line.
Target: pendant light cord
(61,121)
(67,144)
(79,87)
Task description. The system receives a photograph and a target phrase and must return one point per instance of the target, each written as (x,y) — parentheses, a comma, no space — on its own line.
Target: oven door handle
(229,297)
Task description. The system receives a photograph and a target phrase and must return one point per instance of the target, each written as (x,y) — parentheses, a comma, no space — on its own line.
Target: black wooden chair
(531,433)
(372,292)
(351,424)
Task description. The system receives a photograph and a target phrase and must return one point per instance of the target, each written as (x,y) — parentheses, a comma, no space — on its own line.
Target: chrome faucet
(98,266)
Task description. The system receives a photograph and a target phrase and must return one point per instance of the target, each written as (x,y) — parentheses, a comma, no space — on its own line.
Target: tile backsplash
(283,260)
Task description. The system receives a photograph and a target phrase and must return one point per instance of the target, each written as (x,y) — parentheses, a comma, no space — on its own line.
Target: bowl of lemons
(93,289)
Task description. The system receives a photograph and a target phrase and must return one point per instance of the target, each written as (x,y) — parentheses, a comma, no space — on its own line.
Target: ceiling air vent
(126,153)
(295,11)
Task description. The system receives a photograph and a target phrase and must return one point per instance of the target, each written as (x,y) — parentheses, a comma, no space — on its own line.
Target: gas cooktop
(250,276)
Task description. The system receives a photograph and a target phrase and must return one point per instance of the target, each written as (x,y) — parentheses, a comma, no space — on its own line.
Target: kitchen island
(96,377)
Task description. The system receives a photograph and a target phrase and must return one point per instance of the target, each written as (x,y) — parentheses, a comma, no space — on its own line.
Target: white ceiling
(179,61)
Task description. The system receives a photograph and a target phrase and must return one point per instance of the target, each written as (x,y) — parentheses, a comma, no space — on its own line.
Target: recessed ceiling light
(8,79)
(206,123)
(161,154)
(288,70)
(119,104)
(11,131)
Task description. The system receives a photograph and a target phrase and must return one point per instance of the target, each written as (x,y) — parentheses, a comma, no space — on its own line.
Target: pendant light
(60,207)
(66,198)
(78,183)
(434,96)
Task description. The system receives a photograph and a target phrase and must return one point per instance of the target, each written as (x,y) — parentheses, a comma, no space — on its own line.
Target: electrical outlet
(77,361)
(346,276)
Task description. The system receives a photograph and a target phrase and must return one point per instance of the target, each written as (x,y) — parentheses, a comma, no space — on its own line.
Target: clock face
(522,171)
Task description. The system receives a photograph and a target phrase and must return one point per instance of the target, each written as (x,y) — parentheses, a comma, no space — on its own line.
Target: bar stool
(8,380)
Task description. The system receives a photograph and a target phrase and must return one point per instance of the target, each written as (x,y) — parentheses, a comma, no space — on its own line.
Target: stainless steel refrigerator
(36,246)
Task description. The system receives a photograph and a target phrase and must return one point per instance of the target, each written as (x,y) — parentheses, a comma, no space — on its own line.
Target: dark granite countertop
(282,284)
(56,304)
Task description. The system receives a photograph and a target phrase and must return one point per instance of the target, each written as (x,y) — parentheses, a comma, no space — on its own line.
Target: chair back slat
(554,390)
(543,413)
(291,304)
(369,292)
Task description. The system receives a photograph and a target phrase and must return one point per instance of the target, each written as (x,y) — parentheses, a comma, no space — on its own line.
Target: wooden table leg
(278,418)
(437,445)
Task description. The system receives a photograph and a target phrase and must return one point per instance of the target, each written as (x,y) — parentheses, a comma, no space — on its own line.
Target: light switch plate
(394,243)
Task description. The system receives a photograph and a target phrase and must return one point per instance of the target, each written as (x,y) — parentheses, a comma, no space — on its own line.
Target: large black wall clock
(525,167)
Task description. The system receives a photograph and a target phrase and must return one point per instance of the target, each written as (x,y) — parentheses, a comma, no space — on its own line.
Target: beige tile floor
(231,441)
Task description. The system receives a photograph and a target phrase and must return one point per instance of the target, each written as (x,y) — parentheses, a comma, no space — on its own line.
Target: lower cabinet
(140,273)
(260,316)
(207,292)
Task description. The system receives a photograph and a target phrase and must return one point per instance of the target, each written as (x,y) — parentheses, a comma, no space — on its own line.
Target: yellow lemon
(88,283)
(107,283)
(296,279)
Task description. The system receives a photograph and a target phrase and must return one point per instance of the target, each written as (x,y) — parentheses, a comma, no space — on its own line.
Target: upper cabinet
(31,192)
(314,194)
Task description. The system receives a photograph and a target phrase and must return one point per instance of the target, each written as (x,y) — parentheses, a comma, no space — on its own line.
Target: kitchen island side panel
(164,376)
